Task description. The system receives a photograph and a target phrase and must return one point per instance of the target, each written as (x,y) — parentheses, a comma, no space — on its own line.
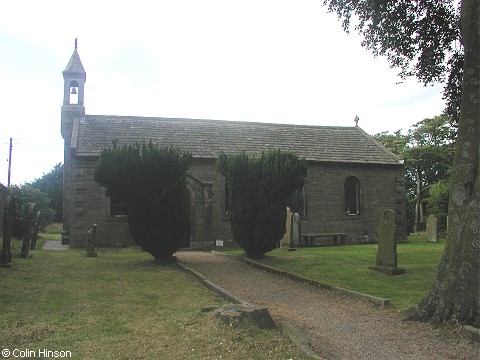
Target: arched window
(352,196)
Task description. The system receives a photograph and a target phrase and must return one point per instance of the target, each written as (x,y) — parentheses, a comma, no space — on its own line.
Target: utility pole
(9,162)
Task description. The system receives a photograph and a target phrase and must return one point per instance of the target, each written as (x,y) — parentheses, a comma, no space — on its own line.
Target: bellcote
(74,77)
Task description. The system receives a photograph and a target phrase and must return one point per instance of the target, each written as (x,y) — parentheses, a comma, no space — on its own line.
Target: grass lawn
(120,305)
(348,267)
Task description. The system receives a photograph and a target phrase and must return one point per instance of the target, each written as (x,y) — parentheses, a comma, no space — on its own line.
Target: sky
(280,61)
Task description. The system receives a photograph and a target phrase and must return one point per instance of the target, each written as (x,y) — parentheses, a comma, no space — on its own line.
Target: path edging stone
(212,286)
(341,291)
(295,335)
(299,339)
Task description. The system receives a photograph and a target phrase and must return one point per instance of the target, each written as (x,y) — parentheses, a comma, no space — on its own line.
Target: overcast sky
(281,61)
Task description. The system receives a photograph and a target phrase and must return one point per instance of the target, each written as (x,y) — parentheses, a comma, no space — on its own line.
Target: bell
(74,91)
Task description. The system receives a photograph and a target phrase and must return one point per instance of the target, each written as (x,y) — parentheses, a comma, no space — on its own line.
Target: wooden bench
(336,239)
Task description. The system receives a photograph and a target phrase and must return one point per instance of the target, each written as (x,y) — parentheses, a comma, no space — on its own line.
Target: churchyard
(119,305)
(349,267)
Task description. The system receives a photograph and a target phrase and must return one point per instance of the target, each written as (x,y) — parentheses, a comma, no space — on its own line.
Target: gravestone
(7,230)
(387,244)
(432,229)
(91,237)
(296,230)
(27,236)
(286,241)
(35,226)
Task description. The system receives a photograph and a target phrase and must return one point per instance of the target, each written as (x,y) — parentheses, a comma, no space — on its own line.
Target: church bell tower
(73,111)
(74,78)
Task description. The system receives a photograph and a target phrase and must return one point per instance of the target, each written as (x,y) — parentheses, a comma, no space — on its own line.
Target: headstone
(285,243)
(91,237)
(35,226)
(27,229)
(65,236)
(8,215)
(387,244)
(296,230)
(432,229)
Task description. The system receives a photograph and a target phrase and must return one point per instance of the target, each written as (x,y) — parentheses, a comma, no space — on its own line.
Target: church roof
(207,138)
(75,64)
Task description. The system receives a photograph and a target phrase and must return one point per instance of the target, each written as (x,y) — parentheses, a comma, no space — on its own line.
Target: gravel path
(338,328)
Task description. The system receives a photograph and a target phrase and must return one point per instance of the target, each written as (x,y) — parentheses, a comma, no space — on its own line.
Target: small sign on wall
(219,242)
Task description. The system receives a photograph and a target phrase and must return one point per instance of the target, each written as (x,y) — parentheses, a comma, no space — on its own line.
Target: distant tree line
(428,149)
(46,192)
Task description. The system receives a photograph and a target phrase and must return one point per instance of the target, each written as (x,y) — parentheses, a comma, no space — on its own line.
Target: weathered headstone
(91,237)
(27,228)
(387,244)
(296,230)
(65,236)
(8,215)
(285,243)
(35,226)
(432,229)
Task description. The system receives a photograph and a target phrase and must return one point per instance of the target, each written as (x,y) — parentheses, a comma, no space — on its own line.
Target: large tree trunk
(455,294)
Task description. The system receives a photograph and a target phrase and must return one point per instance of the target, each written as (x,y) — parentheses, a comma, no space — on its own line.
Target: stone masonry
(333,154)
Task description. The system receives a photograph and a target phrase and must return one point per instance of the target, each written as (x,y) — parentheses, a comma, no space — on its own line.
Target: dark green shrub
(259,188)
(151,181)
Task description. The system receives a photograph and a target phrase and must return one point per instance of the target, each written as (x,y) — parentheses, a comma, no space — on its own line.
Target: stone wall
(91,206)
(381,187)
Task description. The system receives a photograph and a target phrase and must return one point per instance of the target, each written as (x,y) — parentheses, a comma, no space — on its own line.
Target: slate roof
(74,66)
(207,138)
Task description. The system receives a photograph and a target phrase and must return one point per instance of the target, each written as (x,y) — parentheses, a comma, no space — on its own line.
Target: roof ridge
(205,138)
(220,121)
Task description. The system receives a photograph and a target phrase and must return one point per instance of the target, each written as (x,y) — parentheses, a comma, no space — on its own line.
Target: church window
(118,207)
(352,196)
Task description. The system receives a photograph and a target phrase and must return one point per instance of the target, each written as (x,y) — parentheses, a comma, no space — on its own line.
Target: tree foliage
(434,40)
(259,188)
(24,195)
(51,183)
(420,37)
(427,149)
(151,181)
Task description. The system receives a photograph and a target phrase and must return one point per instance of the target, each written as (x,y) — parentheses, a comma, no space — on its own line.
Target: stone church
(351,177)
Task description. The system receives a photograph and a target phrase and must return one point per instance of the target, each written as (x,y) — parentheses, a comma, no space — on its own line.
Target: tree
(437,202)
(429,157)
(51,183)
(424,39)
(396,142)
(428,153)
(151,181)
(26,194)
(259,189)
